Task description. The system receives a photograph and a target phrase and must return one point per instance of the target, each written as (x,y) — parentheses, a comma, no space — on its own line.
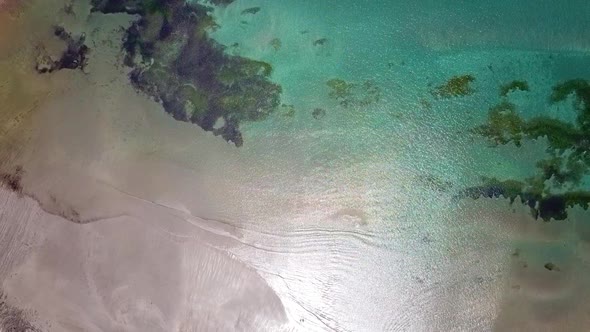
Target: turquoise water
(406,49)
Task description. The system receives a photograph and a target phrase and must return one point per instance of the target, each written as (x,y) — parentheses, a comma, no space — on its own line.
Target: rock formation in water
(512,86)
(456,86)
(559,180)
(176,62)
(73,57)
(251,10)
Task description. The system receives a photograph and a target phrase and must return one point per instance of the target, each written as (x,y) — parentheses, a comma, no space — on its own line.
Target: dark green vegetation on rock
(176,62)
(558,182)
(73,57)
(513,86)
(456,86)
(353,94)
(551,267)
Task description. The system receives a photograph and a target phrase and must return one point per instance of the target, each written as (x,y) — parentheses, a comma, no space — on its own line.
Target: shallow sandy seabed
(179,231)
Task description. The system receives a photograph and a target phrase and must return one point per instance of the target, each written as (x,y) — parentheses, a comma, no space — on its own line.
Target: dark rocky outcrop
(176,63)
(558,182)
(543,203)
(456,86)
(73,57)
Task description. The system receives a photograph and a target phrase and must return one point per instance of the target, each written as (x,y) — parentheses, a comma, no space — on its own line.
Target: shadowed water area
(296,165)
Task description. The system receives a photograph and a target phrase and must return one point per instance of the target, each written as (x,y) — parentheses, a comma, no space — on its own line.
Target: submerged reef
(559,178)
(456,86)
(513,86)
(276,44)
(251,10)
(353,94)
(318,113)
(176,63)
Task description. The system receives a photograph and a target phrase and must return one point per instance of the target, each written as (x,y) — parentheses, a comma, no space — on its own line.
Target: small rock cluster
(73,57)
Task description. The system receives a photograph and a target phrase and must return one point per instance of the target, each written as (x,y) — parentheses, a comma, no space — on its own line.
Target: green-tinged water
(391,58)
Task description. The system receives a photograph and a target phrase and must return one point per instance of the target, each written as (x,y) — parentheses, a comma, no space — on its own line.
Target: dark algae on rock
(551,267)
(515,85)
(456,86)
(251,10)
(174,61)
(318,113)
(73,57)
(504,124)
(276,44)
(558,182)
(76,51)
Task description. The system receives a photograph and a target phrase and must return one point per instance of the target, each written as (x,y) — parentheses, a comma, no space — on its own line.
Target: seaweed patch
(456,86)
(558,181)
(276,44)
(175,62)
(251,10)
(512,86)
(73,57)
(349,94)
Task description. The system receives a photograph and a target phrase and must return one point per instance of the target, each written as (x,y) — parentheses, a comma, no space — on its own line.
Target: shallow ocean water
(331,224)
